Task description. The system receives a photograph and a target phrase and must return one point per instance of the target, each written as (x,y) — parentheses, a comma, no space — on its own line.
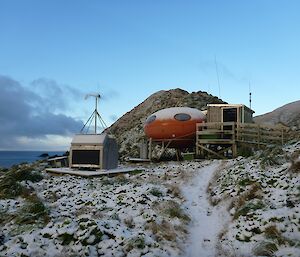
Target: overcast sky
(54,52)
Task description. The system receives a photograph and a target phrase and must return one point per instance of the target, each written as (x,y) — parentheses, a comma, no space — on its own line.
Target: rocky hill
(288,115)
(128,129)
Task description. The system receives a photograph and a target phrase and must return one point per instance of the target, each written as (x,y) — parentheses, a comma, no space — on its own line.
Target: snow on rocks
(265,204)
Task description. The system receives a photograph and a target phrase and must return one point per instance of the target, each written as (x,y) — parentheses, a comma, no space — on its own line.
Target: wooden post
(258,136)
(150,149)
(234,150)
(178,155)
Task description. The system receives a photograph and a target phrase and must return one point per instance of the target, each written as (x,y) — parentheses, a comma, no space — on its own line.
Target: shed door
(230,114)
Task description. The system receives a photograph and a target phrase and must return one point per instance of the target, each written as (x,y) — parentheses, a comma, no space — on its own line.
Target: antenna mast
(250,95)
(218,76)
(95,115)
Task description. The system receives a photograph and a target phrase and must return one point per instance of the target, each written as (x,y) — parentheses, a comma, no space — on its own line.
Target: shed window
(86,157)
(151,119)
(182,117)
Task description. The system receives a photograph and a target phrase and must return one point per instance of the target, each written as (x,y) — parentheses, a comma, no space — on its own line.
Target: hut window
(151,119)
(182,117)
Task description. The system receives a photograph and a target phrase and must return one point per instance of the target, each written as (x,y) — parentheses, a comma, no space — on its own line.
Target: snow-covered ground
(131,214)
(240,207)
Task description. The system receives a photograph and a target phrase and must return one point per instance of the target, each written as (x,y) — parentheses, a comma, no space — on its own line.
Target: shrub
(33,211)
(245,151)
(137,242)
(156,192)
(245,182)
(173,210)
(272,156)
(295,166)
(249,207)
(66,238)
(10,186)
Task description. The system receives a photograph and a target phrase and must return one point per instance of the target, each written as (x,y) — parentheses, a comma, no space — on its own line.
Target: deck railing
(229,132)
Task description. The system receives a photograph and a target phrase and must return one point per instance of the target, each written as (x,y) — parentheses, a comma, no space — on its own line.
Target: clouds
(32,113)
(57,95)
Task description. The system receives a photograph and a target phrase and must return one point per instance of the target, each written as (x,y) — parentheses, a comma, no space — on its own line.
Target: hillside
(288,115)
(128,129)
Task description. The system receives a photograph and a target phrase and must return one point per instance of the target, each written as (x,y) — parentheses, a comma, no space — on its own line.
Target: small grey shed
(94,151)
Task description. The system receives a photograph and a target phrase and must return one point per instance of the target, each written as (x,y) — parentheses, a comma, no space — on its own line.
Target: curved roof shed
(94,151)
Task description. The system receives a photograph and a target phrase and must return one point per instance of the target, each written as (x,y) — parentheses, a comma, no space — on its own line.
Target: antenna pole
(218,76)
(96,112)
(250,95)
(94,115)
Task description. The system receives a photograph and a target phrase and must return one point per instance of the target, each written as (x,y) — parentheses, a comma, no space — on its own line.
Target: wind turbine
(95,115)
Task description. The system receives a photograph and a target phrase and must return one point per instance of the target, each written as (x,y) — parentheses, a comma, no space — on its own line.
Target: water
(9,158)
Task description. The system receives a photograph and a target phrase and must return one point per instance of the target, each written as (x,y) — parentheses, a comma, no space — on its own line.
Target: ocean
(9,158)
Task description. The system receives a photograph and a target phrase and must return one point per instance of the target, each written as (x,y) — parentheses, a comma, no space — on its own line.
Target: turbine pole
(250,95)
(96,114)
(217,71)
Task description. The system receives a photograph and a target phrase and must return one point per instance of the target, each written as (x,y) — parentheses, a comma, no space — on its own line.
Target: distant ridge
(288,115)
(129,128)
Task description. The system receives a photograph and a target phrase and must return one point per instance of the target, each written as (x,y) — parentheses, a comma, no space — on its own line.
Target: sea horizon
(8,158)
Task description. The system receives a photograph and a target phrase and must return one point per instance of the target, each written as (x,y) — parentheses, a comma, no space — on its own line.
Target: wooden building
(239,113)
(229,127)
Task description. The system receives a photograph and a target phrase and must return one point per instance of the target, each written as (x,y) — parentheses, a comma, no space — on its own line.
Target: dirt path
(207,221)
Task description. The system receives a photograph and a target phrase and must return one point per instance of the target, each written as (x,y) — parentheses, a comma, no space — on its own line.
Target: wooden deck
(221,138)
(87,173)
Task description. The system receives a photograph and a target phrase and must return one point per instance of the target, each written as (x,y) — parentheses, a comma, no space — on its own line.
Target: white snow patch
(169,113)
(207,221)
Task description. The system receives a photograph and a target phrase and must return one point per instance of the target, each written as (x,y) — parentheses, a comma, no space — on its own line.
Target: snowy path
(207,221)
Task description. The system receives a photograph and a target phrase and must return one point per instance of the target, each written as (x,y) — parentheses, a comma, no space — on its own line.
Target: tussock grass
(164,230)
(173,210)
(174,190)
(136,242)
(34,211)
(271,232)
(265,248)
(248,201)
(295,166)
(156,192)
(272,157)
(10,186)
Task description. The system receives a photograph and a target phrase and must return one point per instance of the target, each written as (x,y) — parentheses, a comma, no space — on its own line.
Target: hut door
(229,115)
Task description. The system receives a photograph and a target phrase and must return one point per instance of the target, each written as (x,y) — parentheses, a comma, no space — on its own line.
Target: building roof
(89,139)
(231,105)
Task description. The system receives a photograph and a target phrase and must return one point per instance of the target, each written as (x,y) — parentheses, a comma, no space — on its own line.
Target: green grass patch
(249,207)
(135,172)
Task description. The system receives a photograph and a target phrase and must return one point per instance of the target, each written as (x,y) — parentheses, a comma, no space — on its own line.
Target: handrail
(245,132)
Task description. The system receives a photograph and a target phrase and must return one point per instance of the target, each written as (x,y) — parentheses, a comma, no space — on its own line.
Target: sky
(53,52)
